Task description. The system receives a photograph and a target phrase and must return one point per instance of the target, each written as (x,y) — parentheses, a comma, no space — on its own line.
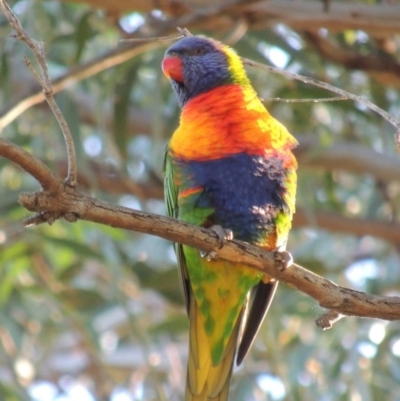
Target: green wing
(171,202)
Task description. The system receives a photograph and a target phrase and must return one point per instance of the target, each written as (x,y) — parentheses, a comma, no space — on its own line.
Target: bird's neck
(226,120)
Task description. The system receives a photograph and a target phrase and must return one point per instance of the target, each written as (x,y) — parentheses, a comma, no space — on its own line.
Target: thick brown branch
(329,295)
(64,201)
(30,164)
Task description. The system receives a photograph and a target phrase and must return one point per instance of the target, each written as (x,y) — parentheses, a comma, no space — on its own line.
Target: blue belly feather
(245,191)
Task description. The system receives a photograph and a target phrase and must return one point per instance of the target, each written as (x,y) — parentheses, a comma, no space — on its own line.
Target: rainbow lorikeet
(229,164)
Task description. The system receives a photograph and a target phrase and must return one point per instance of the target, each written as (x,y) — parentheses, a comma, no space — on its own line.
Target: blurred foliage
(90,312)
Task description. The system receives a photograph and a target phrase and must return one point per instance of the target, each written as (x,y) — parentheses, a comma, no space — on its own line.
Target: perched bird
(229,164)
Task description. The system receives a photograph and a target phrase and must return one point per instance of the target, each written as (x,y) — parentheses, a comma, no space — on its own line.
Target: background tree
(92,312)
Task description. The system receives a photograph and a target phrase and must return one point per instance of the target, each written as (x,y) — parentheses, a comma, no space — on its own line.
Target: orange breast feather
(228,120)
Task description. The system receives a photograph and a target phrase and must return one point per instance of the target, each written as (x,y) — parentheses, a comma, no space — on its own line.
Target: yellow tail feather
(204,381)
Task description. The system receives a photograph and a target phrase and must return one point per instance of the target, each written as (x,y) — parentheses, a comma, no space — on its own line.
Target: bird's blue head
(196,64)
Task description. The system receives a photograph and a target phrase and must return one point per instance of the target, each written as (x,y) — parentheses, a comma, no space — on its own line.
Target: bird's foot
(209,256)
(283,260)
(224,235)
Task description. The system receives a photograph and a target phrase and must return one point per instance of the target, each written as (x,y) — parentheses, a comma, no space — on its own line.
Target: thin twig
(331,88)
(45,82)
(318,100)
(184,32)
(151,39)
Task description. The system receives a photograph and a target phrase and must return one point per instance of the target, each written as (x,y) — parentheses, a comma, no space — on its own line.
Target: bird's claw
(224,235)
(283,260)
(209,256)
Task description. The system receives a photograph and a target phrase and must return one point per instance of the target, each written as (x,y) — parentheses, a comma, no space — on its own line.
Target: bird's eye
(198,51)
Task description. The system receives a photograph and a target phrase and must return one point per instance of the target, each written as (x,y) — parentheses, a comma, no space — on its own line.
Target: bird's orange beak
(172,68)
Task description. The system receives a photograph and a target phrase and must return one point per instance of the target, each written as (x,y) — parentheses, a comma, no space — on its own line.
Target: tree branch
(63,201)
(32,165)
(329,295)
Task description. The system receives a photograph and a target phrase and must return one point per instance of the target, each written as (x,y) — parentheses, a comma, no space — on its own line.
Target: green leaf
(82,34)
(122,93)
